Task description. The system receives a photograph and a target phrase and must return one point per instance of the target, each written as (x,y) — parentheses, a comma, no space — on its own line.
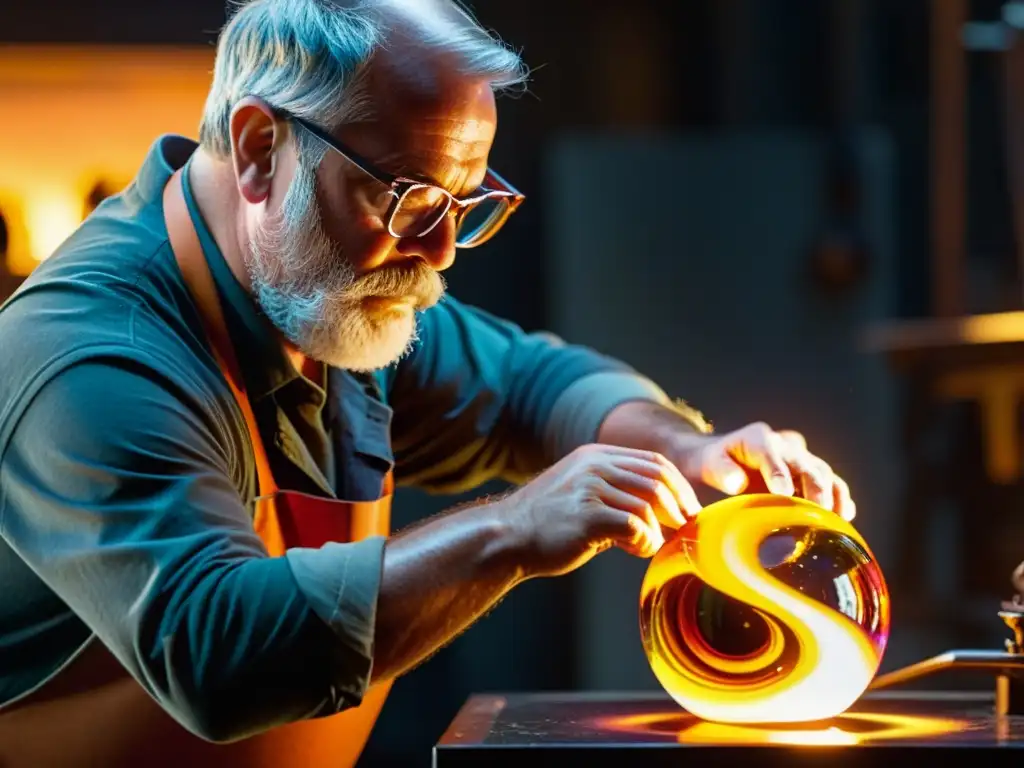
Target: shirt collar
(265,366)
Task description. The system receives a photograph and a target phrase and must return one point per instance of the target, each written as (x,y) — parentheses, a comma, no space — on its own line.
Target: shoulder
(107,317)
(123,410)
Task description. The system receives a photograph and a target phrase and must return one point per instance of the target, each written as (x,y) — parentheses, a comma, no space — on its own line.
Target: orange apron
(93,713)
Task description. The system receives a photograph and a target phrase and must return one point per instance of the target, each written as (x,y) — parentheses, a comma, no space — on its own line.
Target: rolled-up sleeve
(341,583)
(121,495)
(479,398)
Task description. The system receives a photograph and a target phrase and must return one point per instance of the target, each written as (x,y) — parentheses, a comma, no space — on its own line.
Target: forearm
(439,577)
(650,426)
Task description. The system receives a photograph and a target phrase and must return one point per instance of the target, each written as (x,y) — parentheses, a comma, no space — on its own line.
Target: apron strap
(194,269)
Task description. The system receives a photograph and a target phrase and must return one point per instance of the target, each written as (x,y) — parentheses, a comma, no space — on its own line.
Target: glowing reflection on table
(845,730)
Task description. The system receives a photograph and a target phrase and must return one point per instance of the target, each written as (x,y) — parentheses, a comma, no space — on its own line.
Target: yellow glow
(815,662)
(845,730)
(76,115)
(992,329)
(50,218)
(829,737)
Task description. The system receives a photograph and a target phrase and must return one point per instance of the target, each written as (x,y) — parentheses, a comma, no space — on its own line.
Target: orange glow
(76,115)
(845,730)
(733,641)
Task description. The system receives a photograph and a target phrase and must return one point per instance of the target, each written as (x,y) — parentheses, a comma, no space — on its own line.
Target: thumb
(721,472)
(1018,579)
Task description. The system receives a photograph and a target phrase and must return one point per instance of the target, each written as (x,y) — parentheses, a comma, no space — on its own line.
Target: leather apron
(93,713)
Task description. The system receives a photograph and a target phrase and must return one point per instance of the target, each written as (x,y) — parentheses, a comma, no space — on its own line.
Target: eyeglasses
(416,207)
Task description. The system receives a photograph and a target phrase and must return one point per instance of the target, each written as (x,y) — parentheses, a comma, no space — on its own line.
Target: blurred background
(808,212)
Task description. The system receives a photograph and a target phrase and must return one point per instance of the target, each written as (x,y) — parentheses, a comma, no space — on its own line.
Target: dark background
(702,142)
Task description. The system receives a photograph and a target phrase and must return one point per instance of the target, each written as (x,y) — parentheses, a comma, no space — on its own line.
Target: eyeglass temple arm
(340,147)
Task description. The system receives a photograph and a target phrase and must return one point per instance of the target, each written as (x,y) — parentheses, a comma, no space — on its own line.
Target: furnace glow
(734,640)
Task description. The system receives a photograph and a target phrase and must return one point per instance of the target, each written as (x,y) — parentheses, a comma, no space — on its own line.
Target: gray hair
(308,57)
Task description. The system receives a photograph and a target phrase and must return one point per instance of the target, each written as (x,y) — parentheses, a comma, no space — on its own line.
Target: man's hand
(1018,579)
(734,462)
(752,458)
(597,497)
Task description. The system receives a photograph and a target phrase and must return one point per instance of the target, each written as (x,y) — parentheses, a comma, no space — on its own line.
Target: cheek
(359,234)
(369,250)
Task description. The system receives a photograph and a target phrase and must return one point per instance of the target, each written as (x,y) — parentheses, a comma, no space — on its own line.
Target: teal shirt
(127,480)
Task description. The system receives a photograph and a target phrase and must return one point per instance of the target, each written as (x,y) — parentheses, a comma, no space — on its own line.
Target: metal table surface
(649,729)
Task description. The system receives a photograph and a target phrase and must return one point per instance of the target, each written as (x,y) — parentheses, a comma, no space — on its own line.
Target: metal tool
(1008,665)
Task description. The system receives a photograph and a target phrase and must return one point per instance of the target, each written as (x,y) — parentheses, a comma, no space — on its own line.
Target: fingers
(816,479)
(643,492)
(722,472)
(789,468)
(843,501)
(794,439)
(625,530)
(637,493)
(657,482)
(812,478)
(764,451)
(650,528)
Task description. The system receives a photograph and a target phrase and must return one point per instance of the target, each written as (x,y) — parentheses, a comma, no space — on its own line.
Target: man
(342,162)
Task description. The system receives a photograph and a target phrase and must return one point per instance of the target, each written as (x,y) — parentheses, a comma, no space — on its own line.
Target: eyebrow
(404,169)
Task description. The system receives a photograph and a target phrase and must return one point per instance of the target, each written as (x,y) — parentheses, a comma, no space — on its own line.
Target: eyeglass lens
(422,207)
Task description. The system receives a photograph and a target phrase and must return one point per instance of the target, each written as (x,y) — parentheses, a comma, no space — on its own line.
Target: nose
(436,248)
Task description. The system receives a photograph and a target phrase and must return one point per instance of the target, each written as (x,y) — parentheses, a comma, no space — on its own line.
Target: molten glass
(765,609)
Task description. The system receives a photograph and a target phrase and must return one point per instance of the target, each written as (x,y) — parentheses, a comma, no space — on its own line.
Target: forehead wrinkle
(467,151)
(437,166)
(462,130)
(468,137)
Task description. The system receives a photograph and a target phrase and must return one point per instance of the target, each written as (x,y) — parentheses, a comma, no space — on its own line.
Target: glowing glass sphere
(764,609)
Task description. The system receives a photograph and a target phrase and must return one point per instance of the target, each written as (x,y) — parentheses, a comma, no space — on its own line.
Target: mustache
(413,278)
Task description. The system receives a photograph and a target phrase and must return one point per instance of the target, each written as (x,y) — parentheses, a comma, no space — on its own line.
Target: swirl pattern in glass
(765,609)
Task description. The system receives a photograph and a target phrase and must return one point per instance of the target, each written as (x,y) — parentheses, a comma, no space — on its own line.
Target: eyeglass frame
(401,186)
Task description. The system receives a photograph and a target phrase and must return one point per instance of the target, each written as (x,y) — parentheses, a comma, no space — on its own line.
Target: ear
(256,136)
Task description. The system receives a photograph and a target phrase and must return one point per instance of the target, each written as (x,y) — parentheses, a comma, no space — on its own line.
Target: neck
(216,195)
